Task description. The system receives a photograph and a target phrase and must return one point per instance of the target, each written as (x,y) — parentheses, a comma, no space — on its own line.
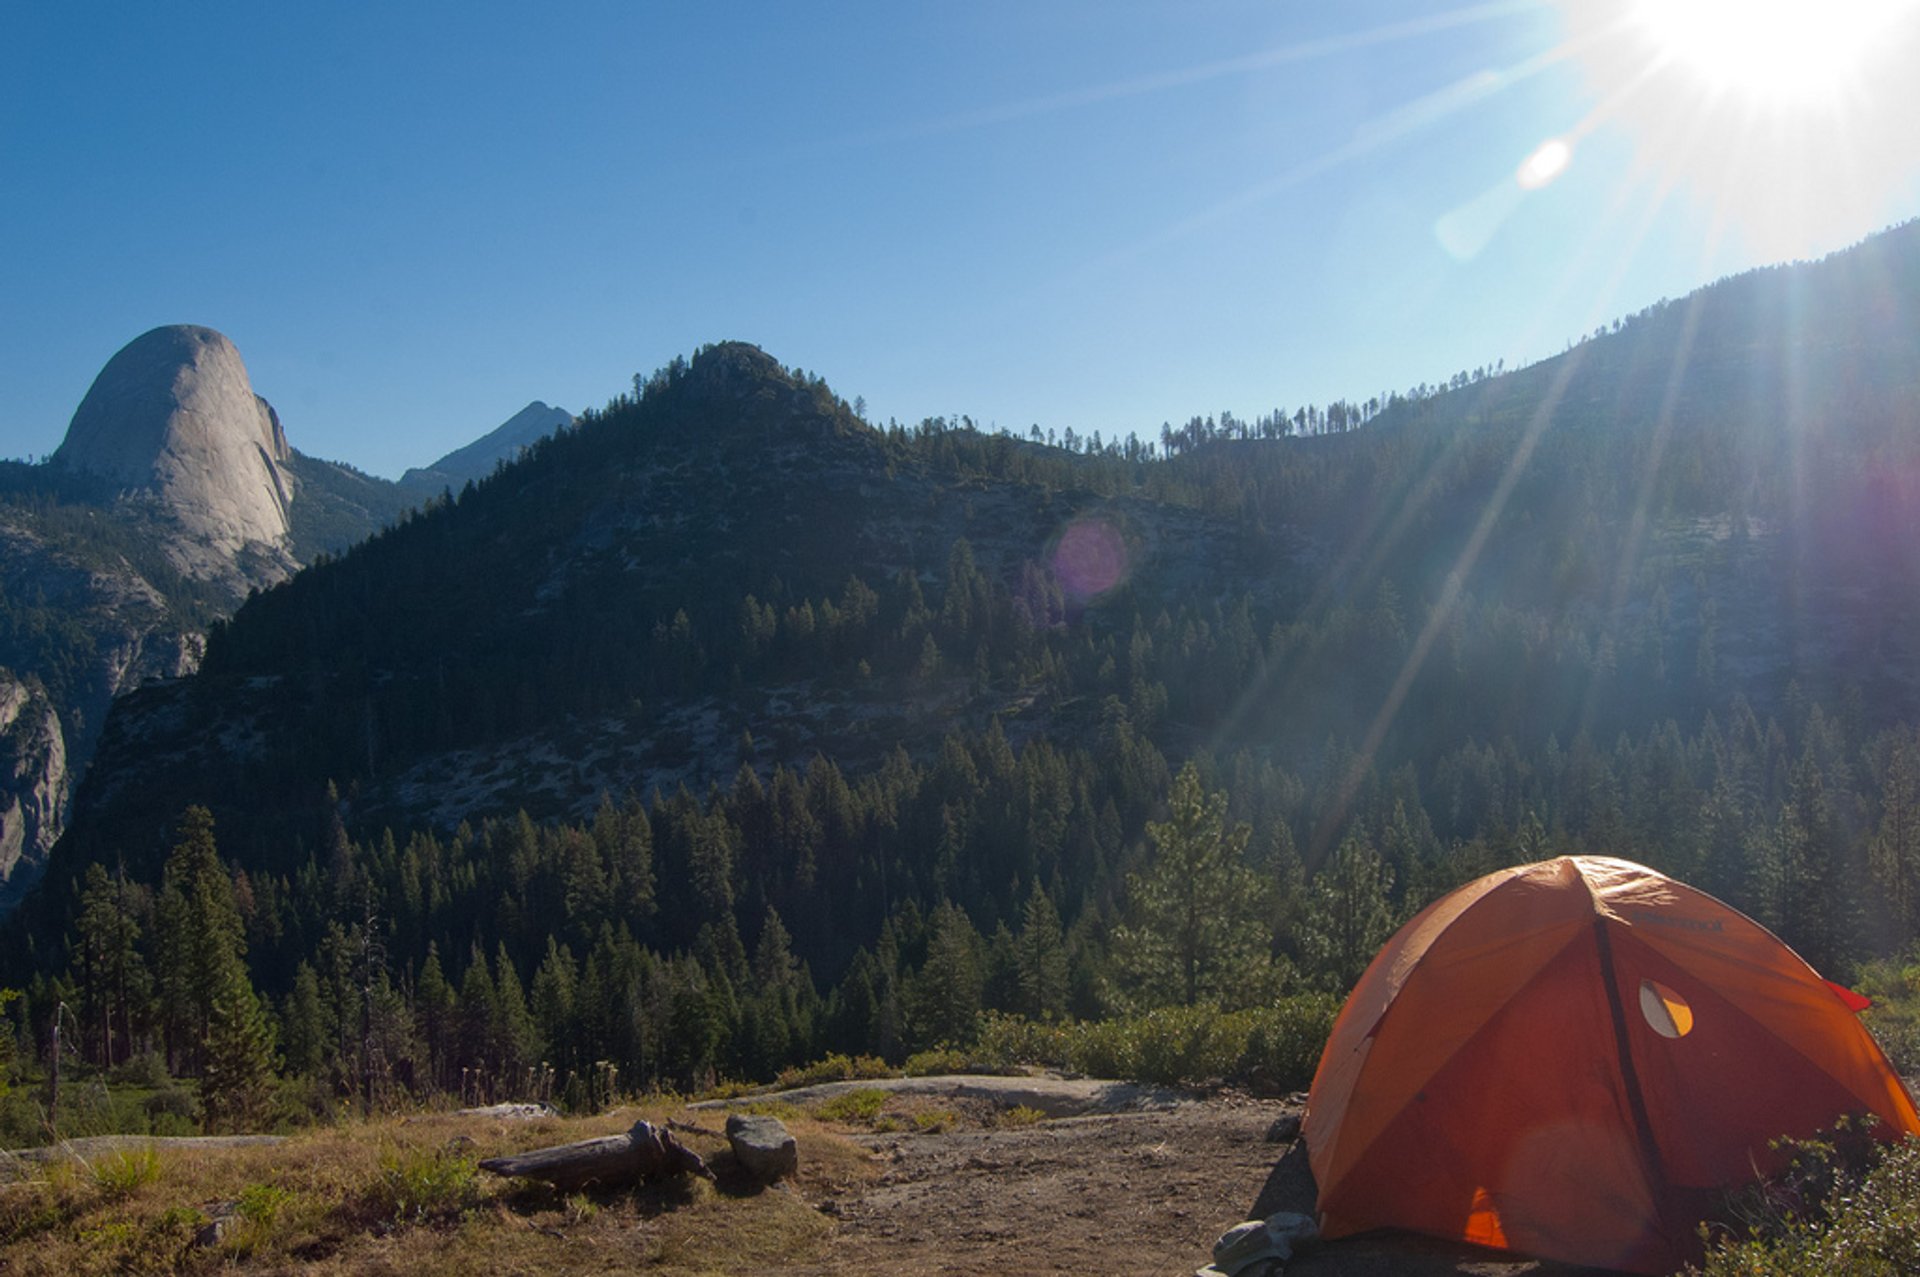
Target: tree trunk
(612,1159)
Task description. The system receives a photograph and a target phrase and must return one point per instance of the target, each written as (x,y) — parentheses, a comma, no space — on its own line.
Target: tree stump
(646,1150)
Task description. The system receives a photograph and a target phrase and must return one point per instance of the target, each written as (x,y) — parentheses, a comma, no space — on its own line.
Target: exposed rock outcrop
(173,476)
(174,415)
(33,777)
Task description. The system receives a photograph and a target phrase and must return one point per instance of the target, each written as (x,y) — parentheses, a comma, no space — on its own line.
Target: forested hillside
(727,729)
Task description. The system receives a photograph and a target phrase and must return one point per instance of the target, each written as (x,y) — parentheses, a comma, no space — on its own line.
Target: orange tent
(1567,1059)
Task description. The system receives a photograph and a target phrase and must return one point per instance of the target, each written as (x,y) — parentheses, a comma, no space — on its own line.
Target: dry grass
(402,1196)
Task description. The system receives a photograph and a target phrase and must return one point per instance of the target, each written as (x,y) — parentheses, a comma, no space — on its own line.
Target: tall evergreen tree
(1041,954)
(1352,913)
(515,1040)
(114,976)
(202,941)
(236,1079)
(435,1004)
(309,1033)
(1198,912)
(947,988)
(1893,851)
(551,1003)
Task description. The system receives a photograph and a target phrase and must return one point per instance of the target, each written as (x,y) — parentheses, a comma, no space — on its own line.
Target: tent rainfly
(1569,1059)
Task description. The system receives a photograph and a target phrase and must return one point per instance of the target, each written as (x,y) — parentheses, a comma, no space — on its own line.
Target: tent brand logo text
(1677,923)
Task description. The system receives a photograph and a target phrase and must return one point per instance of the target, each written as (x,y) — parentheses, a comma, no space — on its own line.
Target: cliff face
(173,416)
(33,781)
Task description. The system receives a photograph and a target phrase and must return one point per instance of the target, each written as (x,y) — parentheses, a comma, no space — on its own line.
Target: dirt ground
(1141,1191)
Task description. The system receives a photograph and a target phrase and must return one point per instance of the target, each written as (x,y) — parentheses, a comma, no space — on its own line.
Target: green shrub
(262,1203)
(148,1069)
(1271,1048)
(260,1207)
(1845,1204)
(862,1105)
(934,1063)
(1019,1117)
(1284,1042)
(1189,1046)
(836,1068)
(23,1122)
(423,1186)
(171,1100)
(1008,1041)
(1894,1017)
(172,1124)
(123,1171)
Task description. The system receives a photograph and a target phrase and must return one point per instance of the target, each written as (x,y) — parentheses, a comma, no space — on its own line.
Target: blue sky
(413,219)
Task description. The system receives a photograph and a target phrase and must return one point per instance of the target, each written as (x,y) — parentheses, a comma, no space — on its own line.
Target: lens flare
(1089,559)
(1548,161)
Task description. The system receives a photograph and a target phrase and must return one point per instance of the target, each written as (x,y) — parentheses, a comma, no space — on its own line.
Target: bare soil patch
(1144,1191)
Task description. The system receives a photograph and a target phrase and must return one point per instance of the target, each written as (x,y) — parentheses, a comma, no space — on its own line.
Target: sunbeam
(1404,121)
(1332,820)
(1184,77)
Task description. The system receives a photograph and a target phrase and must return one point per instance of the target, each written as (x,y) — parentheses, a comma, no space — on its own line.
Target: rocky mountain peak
(173,414)
(503,443)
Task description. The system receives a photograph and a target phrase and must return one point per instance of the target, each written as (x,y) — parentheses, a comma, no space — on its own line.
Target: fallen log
(644,1151)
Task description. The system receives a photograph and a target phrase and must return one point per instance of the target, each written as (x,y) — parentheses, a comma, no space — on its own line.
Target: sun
(1771,50)
(1784,128)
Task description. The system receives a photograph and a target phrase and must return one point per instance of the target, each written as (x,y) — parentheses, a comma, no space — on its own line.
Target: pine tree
(309,1032)
(1351,916)
(202,939)
(473,1039)
(1000,972)
(514,1038)
(947,988)
(1041,953)
(113,974)
(1199,912)
(1893,851)
(552,1006)
(434,1005)
(237,1077)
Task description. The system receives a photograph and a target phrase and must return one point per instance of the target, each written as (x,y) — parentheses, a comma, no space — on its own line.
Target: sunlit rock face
(174,415)
(33,782)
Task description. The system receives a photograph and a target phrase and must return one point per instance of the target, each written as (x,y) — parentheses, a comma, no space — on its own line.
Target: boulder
(763,1145)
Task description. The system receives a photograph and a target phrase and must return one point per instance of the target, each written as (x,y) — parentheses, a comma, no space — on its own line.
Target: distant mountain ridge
(477,460)
(614,612)
(1710,506)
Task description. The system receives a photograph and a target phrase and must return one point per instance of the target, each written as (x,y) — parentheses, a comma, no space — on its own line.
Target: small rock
(222,1217)
(763,1145)
(1285,1129)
